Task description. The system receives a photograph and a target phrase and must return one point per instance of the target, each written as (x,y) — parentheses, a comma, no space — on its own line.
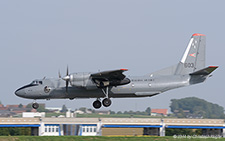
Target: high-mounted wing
(110,78)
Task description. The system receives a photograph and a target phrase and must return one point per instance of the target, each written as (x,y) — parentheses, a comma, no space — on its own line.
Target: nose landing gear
(35,105)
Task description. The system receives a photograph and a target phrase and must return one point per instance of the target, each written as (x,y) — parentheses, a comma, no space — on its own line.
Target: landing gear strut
(106,102)
(35,105)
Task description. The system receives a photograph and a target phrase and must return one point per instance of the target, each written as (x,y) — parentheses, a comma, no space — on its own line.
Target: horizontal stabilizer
(205,71)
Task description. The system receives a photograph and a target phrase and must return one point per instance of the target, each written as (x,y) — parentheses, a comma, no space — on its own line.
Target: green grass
(96,138)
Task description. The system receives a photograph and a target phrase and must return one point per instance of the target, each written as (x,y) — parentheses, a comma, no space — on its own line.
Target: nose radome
(20,92)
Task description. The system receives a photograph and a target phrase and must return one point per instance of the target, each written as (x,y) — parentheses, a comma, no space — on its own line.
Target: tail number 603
(189,65)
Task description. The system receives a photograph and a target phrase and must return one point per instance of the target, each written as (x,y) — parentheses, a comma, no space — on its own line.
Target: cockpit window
(35,82)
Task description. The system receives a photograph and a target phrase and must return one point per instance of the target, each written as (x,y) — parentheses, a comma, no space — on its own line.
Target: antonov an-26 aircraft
(114,84)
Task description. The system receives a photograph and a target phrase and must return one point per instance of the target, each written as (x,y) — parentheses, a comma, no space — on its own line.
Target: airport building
(112,126)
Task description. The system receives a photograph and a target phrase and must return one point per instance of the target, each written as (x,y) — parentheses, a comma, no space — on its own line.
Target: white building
(88,130)
(33,114)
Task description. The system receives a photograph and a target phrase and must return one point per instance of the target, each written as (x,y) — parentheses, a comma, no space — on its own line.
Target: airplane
(189,70)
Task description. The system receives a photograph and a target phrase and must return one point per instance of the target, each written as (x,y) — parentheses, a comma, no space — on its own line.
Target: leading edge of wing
(112,74)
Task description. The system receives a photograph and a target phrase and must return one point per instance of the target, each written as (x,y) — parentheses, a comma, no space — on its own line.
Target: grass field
(99,138)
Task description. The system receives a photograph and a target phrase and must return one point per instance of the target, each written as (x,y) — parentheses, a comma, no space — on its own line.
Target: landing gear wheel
(97,104)
(106,102)
(35,105)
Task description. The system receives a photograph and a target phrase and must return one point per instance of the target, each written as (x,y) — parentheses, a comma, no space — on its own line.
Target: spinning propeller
(66,78)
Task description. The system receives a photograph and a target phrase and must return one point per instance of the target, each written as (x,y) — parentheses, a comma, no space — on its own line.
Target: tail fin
(192,60)
(194,56)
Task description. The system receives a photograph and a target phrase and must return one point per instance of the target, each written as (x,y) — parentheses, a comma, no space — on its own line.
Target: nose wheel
(35,105)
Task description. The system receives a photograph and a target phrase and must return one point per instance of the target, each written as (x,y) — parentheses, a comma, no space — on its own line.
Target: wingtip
(213,66)
(124,69)
(198,34)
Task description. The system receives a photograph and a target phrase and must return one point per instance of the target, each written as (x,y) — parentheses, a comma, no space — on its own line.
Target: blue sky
(38,38)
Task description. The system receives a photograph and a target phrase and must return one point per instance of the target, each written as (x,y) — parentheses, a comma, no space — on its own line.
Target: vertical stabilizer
(194,56)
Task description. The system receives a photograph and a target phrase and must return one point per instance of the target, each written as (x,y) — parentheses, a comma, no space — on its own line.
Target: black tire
(35,105)
(97,104)
(106,102)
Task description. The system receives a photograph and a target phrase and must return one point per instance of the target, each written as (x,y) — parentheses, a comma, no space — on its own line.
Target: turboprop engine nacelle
(82,80)
(79,79)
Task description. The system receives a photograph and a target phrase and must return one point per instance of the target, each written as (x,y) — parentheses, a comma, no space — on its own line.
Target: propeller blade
(59,74)
(67,71)
(67,83)
(67,79)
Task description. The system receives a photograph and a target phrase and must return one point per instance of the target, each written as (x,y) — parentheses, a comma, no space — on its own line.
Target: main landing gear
(106,102)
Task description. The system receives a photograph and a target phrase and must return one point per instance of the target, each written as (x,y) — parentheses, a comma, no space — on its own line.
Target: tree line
(193,107)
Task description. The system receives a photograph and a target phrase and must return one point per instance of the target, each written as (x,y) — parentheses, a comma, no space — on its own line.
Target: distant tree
(112,112)
(15,131)
(119,112)
(20,105)
(90,109)
(28,110)
(129,112)
(29,105)
(195,107)
(148,111)
(83,109)
(0,102)
(41,108)
(64,109)
(177,131)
